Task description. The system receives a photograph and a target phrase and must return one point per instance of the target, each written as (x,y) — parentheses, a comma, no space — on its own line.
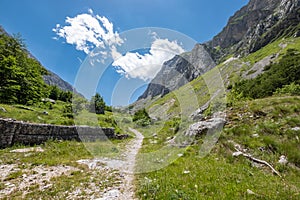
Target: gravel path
(125,166)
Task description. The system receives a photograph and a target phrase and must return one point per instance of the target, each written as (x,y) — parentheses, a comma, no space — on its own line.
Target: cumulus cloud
(87,31)
(146,66)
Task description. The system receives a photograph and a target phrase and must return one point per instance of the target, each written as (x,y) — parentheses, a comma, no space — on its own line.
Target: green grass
(57,116)
(64,152)
(219,175)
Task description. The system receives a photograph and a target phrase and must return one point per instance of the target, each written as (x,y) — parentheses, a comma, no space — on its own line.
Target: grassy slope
(230,73)
(219,175)
(57,116)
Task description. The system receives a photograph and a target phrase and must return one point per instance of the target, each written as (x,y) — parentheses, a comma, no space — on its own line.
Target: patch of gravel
(39,175)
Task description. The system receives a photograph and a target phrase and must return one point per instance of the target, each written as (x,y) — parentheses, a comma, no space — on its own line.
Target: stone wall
(18,132)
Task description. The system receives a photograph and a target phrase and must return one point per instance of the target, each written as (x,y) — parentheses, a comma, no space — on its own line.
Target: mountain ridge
(248,30)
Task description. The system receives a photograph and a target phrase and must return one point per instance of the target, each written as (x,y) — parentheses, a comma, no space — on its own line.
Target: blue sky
(199,20)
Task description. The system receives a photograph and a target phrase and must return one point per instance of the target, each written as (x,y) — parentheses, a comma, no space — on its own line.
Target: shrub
(142,118)
(291,89)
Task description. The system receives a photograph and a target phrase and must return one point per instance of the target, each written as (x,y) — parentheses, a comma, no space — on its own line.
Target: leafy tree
(66,96)
(97,104)
(10,75)
(21,75)
(55,93)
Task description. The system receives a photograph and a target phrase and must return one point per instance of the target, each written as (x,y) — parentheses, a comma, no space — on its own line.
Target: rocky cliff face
(53,79)
(178,71)
(256,25)
(249,29)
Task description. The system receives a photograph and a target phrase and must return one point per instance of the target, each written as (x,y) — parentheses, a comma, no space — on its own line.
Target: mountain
(178,71)
(53,79)
(252,27)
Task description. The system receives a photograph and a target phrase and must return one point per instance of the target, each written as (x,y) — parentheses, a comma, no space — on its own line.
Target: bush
(292,89)
(142,118)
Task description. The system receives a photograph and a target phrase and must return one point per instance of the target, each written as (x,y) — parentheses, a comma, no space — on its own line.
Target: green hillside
(266,128)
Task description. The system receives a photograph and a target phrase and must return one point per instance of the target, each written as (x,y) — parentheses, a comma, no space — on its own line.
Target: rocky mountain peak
(263,4)
(249,29)
(178,71)
(254,26)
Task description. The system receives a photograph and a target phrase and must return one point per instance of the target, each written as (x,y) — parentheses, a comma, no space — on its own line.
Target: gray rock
(204,127)
(283,160)
(198,114)
(254,26)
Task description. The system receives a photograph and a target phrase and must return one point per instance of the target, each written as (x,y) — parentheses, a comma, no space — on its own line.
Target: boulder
(204,127)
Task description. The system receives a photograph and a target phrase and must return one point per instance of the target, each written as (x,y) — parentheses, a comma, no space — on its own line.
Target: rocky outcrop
(18,132)
(205,127)
(254,26)
(178,71)
(53,79)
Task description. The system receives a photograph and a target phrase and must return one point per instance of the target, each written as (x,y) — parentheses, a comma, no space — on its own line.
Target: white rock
(296,129)
(236,154)
(250,192)
(26,150)
(283,160)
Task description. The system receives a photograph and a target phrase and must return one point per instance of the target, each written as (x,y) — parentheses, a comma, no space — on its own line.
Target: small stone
(283,160)
(236,154)
(296,129)
(250,192)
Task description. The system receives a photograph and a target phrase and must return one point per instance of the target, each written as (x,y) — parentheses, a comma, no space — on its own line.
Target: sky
(114,47)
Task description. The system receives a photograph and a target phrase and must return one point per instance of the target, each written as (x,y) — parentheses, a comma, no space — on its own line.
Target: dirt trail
(126,167)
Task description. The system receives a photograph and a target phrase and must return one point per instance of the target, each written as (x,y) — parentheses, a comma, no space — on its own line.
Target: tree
(66,96)
(21,75)
(54,93)
(10,73)
(97,104)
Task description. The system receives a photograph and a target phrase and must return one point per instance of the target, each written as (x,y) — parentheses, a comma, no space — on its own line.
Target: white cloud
(87,31)
(135,65)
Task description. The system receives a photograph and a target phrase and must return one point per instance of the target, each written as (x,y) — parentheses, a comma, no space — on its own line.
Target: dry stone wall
(18,132)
